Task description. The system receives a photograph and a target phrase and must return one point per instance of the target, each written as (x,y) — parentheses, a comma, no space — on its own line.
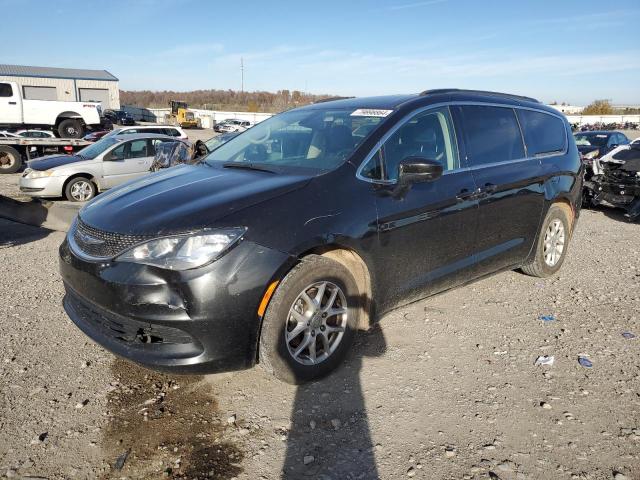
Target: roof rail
(479,92)
(331,99)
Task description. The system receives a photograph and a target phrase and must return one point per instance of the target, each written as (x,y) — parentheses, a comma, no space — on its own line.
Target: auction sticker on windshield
(368,112)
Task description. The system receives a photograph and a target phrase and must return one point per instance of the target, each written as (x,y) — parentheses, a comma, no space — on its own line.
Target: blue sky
(573,51)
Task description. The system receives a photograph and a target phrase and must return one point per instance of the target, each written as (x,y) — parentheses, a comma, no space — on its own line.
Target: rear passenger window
(492,134)
(543,133)
(6,90)
(137,149)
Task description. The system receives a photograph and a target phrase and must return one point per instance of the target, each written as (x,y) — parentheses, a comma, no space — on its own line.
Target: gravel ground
(444,388)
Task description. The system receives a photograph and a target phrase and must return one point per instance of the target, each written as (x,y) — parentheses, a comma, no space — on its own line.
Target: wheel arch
(353,262)
(88,176)
(566,205)
(68,115)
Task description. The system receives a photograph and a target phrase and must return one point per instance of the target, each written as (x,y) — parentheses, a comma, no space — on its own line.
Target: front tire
(311,321)
(553,242)
(80,189)
(70,128)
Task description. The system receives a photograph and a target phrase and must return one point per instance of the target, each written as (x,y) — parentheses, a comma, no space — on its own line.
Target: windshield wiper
(247,166)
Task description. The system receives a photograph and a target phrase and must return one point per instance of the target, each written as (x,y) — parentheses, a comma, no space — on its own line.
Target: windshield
(92,151)
(597,140)
(320,139)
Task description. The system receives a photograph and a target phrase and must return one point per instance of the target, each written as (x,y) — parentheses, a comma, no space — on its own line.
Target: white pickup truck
(67,119)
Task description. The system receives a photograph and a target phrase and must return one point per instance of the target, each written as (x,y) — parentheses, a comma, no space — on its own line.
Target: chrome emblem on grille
(88,239)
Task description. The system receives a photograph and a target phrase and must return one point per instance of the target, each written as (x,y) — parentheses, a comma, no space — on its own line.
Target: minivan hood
(53,161)
(184,198)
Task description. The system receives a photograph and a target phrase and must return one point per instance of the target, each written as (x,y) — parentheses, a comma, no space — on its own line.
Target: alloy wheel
(316,323)
(81,191)
(554,240)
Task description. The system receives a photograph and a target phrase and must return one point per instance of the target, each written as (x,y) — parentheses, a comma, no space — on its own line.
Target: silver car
(98,167)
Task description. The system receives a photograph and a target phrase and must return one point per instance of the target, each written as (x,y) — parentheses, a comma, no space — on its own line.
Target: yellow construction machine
(181,115)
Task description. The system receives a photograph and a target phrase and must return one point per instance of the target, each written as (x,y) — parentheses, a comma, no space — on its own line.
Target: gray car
(96,168)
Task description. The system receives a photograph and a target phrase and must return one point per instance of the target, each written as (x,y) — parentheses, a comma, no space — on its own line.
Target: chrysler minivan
(289,238)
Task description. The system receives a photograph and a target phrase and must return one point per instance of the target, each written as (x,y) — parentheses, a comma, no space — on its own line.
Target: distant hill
(230,100)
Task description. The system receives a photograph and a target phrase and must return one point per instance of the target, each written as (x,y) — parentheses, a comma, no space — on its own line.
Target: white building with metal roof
(66,84)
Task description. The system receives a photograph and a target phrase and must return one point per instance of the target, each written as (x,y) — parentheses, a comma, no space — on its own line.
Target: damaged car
(615,181)
(286,240)
(597,143)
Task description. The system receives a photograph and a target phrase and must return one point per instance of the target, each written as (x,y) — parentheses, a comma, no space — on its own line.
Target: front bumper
(42,187)
(196,321)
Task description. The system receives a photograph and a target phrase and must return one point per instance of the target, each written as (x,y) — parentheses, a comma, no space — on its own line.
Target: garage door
(95,95)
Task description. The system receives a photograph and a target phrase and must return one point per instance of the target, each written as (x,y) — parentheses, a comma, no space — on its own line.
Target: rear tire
(10,159)
(70,128)
(327,333)
(552,245)
(80,189)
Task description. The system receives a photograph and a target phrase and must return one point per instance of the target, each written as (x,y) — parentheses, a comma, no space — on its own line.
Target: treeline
(230,100)
(604,107)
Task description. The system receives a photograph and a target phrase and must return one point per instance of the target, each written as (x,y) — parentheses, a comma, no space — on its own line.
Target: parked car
(291,236)
(119,117)
(68,119)
(5,134)
(615,180)
(95,136)
(204,148)
(596,143)
(35,134)
(170,130)
(232,125)
(96,168)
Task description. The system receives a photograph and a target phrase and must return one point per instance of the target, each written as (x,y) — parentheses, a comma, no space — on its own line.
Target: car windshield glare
(92,151)
(319,139)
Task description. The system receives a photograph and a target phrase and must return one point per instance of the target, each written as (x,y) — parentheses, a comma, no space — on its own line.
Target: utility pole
(241,75)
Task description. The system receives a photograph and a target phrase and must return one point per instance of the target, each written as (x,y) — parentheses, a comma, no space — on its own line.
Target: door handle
(466,194)
(12,103)
(489,188)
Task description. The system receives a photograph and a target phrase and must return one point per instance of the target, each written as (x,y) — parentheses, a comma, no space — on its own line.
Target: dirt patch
(165,426)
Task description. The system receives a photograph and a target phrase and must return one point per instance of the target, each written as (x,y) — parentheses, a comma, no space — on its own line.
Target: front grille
(102,244)
(126,330)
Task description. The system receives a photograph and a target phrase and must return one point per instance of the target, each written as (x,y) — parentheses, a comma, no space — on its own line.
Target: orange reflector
(267,297)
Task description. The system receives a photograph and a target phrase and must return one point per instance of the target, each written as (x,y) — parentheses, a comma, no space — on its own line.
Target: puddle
(169,425)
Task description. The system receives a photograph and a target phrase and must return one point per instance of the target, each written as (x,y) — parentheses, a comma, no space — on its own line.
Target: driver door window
(118,153)
(128,150)
(429,135)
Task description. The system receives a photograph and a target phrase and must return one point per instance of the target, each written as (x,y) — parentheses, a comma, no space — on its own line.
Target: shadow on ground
(13,234)
(329,436)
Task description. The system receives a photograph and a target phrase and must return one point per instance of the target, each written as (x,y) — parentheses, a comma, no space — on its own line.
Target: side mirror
(418,170)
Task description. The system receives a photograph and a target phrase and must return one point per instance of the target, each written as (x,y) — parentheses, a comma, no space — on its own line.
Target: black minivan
(283,242)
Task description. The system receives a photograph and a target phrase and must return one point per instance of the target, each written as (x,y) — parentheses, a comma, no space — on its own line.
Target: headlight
(183,252)
(591,155)
(40,173)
